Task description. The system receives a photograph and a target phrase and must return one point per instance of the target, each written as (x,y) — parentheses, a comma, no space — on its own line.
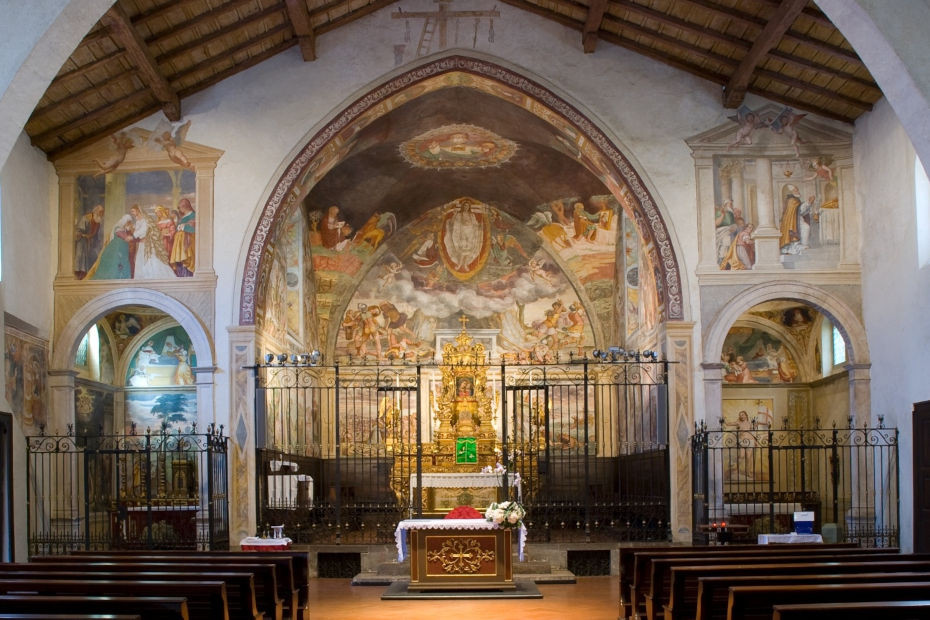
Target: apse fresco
(742,463)
(164,358)
(633,308)
(468,258)
(756,356)
(26,371)
(154,410)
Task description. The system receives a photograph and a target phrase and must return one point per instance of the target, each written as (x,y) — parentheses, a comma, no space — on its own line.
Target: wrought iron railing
(159,490)
(756,479)
(342,450)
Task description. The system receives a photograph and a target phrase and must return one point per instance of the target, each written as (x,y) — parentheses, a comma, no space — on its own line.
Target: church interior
(336,273)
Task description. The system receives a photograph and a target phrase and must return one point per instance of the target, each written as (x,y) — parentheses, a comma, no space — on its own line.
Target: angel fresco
(170,137)
(121,143)
(786,123)
(748,122)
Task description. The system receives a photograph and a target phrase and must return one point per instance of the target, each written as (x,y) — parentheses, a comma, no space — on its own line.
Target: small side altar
(458,554)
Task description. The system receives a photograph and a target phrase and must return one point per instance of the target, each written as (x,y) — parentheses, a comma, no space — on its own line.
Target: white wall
(896,291)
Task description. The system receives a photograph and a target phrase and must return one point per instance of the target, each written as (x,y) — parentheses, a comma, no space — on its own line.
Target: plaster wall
(896,290)
(28,204)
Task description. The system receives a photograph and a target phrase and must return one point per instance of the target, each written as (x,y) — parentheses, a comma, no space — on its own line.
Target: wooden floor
(591,598)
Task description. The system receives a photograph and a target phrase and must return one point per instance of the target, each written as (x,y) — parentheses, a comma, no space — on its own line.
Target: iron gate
(757,478)
(342,449)
(159,490)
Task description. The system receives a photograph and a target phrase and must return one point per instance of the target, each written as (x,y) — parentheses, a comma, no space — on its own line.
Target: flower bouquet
(508,514)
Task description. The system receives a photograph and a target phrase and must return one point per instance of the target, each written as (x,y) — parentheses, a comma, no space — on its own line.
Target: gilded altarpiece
(465,436)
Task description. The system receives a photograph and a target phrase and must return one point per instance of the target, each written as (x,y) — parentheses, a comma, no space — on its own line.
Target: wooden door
(921,452)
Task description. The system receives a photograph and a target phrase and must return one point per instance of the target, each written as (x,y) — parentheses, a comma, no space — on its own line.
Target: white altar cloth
(765,539)
(400,534)
(465,481)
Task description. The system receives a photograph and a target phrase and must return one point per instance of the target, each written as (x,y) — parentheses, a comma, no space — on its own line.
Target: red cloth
(463,512)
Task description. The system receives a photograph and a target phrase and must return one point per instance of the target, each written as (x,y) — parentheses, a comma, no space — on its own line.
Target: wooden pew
(240,586)
(758,602)
(713,586)
(300,565)
(641,574)
(282,562)
(266,571)
(627,558)
(651,569)
(205,599)
(146,607)
(4,616)
(869,610)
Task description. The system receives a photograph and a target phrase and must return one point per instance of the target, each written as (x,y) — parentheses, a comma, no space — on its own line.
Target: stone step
(372,578)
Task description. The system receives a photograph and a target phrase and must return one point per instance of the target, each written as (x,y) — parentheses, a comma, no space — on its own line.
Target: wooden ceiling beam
(864,106)
(241,66)
(691,50)
(698,30)
(85,69)
(235,26)
(731,64)
(810,12)
(734,91)
(806,65)
(102,132)
(207,64)
(77,96)
(592,24)
(351,16)
(92,116)
(205,20)
(116,20)
(303,29)
(758,22)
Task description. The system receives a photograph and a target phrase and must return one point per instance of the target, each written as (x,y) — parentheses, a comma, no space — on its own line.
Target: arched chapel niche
(132,360)
(135,373)
(794,353)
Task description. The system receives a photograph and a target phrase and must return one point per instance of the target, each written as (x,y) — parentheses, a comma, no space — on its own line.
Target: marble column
(860,394)
(768,253)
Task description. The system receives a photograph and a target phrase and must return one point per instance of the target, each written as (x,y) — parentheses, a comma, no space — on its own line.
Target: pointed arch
(622,177)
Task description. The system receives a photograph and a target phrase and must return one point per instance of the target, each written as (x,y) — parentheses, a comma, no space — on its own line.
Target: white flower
(513,518)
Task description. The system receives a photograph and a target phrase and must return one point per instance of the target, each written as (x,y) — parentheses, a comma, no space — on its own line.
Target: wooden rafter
(592,24)
(758,22)
(120,104)
(208,65)
(76,97)
(222,33)
(735,89)
(116,20)
(351,16)
(202,21)
(83,70)
(300,21)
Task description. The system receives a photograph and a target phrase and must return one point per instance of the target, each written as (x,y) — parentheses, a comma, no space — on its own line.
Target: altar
(458,554)
(446,490)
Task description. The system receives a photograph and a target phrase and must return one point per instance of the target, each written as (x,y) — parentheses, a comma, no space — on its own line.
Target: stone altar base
(398,590)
